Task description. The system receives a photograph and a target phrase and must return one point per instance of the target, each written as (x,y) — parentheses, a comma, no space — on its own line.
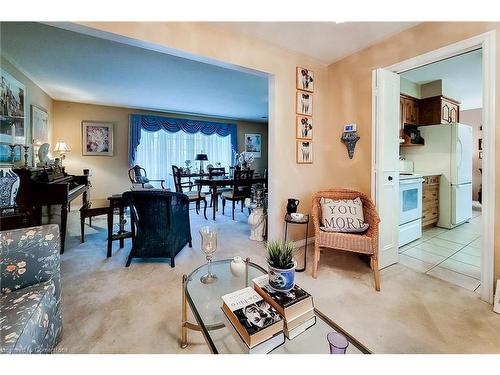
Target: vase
(257,222)
(9,187)
(238,267)
(292,205)
(281,280)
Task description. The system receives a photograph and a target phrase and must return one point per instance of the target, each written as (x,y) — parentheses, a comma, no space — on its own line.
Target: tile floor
(451,255)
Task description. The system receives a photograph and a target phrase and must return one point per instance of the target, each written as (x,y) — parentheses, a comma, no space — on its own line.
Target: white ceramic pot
(238,267)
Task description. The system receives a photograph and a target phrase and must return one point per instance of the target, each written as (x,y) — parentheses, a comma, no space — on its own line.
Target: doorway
(385,168)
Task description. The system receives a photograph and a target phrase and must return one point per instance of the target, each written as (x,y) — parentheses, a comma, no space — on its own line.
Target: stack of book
(296,306)
(256,326)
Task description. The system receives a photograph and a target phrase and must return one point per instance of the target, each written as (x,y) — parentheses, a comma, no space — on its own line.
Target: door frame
(486,42)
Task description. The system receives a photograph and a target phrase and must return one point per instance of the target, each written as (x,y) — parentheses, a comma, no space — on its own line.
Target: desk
(217,181)
(116,201)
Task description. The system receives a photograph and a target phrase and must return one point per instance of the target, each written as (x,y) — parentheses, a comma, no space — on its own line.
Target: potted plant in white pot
(281,263)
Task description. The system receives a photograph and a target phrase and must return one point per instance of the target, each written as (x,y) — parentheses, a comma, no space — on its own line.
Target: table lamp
(201,158)
(62,149)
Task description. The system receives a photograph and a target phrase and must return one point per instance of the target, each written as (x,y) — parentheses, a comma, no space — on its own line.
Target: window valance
(156,123)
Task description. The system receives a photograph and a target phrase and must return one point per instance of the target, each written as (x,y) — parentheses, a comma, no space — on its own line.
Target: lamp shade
(61,147)
(200,157)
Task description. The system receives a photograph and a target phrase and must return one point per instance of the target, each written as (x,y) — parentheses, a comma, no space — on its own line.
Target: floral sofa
(30,313)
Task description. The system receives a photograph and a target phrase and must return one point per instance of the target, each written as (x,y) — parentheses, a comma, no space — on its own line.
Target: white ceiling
(463,73)
(76,67)
(326,41)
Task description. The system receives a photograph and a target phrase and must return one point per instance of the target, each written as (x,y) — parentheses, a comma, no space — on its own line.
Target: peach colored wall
(110,173)
(287,179)
(350,82)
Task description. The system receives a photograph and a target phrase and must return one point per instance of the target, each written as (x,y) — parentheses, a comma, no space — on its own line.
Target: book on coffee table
(254,319)
(296,306)
(262,348)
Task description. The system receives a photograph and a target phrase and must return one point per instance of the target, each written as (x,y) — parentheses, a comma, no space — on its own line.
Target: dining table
(215,182)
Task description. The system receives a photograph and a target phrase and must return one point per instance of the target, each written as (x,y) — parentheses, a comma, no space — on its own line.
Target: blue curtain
(173,125)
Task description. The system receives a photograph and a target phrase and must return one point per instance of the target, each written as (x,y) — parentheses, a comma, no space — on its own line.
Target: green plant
(280,254)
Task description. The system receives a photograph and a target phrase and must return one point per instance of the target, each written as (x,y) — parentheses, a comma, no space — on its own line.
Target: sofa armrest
(29,256)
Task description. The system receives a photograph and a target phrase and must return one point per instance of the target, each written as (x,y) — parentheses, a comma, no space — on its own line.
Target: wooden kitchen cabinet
(410,110)
(438,110)
(430,201)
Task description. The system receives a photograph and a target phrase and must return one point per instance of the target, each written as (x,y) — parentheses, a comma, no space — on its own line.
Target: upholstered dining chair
(242,188)
(138,175)
(362,243)
(194,196)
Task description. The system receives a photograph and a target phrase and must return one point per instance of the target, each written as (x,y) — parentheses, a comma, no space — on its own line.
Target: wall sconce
(350,137)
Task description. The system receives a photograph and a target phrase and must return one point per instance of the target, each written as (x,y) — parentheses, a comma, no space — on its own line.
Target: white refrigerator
(447,151)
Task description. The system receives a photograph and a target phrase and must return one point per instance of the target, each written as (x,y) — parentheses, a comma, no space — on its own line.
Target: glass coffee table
(205,303)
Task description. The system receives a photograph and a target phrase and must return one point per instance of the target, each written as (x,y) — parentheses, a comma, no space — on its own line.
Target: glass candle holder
(338,343)
(208,246)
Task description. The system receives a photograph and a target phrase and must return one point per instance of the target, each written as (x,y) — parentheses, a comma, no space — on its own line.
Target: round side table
(305,220)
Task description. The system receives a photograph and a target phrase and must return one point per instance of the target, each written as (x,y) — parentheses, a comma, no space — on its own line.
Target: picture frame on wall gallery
(304,79)
(253,145)
(304,103)
(97,138)
(39,125)
(304,151)
(13,110)
(304,127)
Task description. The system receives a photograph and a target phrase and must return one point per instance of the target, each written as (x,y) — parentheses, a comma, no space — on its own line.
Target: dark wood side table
(94,207)
(116,201)
(304,220)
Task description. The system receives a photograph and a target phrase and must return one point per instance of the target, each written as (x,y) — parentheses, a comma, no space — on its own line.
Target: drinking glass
(338,343)
(208,245)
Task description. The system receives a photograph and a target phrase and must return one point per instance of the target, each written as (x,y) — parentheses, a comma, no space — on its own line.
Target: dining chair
(242,188)
(194,196)
(217,172)
(138,175)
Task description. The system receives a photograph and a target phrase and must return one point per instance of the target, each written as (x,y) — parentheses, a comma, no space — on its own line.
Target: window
(158,151)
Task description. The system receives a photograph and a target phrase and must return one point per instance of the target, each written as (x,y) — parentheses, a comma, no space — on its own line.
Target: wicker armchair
(363,243)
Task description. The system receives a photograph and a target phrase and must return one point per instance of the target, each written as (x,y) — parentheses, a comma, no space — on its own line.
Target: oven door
(410,200)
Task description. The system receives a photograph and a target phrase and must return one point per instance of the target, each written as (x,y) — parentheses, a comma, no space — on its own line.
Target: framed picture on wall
(39,125)
(304,152)
(13,112)
(305,79)
(253,145)
(97,138)
(480,143)
(304,103)
(304,126)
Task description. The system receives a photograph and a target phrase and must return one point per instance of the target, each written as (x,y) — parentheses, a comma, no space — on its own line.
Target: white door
(461,203)
(461,158)
(385,162)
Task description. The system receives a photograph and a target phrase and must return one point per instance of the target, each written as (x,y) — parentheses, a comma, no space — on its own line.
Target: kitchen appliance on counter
(448,151)
(410,208)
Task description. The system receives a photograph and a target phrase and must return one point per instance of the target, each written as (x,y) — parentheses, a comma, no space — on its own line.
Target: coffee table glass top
(205,302)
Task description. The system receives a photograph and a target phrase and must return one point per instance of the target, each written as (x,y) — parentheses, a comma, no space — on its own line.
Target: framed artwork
(304,152)
(304,103)
(97,138)
(13,112)
(480,143)
(480,154)
(305,79)
(253,145)
(304,126)
(39,124)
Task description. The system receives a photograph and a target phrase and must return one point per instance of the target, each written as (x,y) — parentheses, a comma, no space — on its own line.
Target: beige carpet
(112,309)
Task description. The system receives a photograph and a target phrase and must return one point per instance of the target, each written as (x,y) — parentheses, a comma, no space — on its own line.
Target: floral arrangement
(244,159)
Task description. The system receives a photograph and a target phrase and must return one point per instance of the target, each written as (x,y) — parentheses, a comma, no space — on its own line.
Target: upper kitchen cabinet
(410,110)
(438,110)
